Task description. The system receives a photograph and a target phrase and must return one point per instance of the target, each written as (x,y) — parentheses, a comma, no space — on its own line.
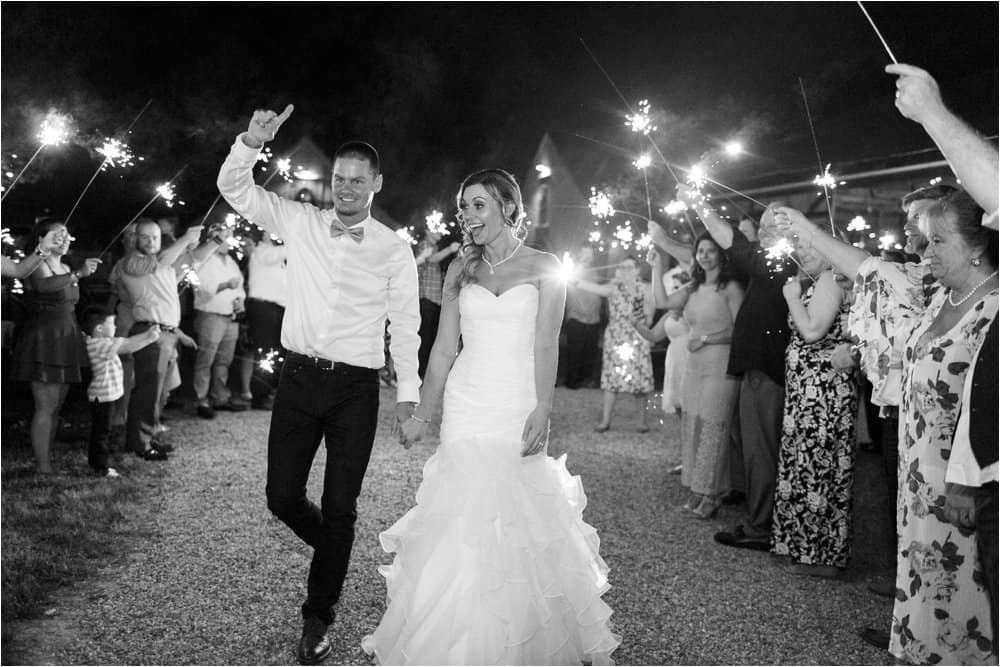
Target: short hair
(360,150)
(968,217)
(93,317)
(935,192)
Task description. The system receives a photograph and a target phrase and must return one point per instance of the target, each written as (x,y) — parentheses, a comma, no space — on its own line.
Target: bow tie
(338,229)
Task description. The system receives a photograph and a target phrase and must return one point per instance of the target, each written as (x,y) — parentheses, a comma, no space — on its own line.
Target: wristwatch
(704,339)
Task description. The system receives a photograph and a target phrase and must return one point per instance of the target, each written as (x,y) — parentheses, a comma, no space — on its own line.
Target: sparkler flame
(643,162)
(641,121)
(595,237)
(116,154)
(435,223)
(887,241)
(781,249)
(675,207)
(733,148)
(858,224)
(600,204)
(406,234)
(54,130)
(167,194)
(568,269)
(697,176)
(268,360)
(625,351)
(826,179)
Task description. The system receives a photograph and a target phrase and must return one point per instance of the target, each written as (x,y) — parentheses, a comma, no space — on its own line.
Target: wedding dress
(494,564)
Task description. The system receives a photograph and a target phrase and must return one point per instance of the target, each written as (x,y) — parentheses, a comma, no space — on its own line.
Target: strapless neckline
(506,291)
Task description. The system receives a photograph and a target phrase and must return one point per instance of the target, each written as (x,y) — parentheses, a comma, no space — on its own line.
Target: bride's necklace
(972,291)
(512,253)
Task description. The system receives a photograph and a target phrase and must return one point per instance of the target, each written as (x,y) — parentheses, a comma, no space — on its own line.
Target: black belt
(296,359)
(163,327)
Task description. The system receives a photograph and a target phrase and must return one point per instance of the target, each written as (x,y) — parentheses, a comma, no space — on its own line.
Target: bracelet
(415,418)
(704,339)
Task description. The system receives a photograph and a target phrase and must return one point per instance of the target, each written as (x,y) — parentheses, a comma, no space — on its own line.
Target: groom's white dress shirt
(340,292)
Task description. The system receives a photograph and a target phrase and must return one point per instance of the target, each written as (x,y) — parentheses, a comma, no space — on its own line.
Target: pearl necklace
(494,266)
(971,291)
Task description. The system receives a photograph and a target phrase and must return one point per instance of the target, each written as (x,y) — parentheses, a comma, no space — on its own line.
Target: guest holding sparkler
(51,352)
(150,276)
(710,303)
(24,268)
(218,298)
(812,505)
(760,336)
(941,606)
(627,366)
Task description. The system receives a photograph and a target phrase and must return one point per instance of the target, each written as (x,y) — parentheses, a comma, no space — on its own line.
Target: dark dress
(812,501)
(51,348)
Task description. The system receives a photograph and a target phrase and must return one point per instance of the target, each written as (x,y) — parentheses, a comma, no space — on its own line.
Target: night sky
(444,89)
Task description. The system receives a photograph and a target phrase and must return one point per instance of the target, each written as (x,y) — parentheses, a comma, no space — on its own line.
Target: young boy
(107,385)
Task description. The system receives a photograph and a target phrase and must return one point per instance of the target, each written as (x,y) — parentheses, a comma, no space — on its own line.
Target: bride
(494,564)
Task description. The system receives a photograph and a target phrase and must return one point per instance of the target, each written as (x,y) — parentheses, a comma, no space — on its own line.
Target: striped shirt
(108,383)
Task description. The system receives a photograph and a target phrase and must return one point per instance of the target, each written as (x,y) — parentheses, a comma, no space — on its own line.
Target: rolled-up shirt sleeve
(404,323)
(253,202)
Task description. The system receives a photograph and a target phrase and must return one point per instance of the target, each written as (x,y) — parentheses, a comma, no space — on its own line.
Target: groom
(347,274)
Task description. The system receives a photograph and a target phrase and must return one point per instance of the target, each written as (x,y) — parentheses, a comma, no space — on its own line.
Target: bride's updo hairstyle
(503,188)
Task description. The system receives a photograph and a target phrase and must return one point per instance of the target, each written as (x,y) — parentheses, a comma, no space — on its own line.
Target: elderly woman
(50,351)
(941,612)
(812,504)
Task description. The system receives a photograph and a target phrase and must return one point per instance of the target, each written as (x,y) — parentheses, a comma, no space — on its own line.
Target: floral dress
(812,505)
(627,365)
(941,612)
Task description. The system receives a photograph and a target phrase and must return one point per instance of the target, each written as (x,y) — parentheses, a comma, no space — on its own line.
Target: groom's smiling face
(354,185)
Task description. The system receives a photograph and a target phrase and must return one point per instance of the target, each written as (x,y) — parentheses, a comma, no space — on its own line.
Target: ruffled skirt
(494,565)
(51,349)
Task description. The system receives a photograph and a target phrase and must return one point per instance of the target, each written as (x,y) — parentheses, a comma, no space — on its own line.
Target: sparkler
(142,210)
(166,192)
(733,148)
(641,121)
(435,223)
(595,237)
(642,163)
(268,360)
(783,249)
(188,277)
(568,269)
(115,154)
(600,204)
(54,131)
(858,224)
(877,32)
(405,234)
(887,241)
(824,181)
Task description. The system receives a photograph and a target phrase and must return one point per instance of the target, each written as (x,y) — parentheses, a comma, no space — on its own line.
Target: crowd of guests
(125,347)
(767,362)
(770,358)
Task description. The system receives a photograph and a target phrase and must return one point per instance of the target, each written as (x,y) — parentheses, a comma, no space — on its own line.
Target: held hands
(917,95)
(264,125)
(153,333)
(535,435)
(695,344)
(403,412)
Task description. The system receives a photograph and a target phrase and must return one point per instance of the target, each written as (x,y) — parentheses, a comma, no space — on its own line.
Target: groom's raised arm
(404,322)
(236,183)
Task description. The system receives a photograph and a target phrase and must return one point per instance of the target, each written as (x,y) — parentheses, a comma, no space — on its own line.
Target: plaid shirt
(429,277)
(108,383)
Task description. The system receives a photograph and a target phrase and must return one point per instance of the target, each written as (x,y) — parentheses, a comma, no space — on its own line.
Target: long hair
(503,188)
(698,273)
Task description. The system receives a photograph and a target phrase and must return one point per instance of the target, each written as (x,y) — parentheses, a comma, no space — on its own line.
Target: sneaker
(160,428)
(162,445)
(739,539)
(205,411)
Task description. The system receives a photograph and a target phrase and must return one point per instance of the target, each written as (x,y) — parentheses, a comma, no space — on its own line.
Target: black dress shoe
(232,406)
(314,647)
(876,638)
(205,412)
(152,454)
(737,538)
(163,446)
(883,587)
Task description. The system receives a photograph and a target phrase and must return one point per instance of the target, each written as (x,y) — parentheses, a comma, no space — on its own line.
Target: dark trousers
(100,435)
(150,370)
(986,540)
(430,313)
(339,405)
(762,404)
(264,320)
(581,351)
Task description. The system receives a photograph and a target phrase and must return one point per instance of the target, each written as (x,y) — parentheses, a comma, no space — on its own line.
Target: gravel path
(212,578)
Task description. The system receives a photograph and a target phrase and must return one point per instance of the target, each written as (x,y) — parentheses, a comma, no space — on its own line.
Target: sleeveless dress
(494,565)
(812,501)
(51,348)
(709,397)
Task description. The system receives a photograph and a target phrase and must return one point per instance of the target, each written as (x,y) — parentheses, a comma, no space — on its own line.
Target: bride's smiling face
(480,214)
